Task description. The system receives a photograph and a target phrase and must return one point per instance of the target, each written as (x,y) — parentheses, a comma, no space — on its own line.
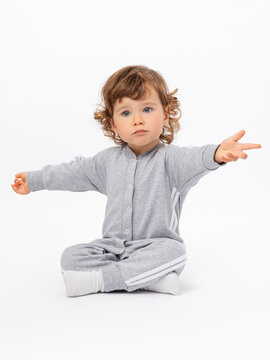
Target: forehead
(150,95)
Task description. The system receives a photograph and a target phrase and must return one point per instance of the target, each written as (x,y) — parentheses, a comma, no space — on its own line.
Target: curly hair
(132,81)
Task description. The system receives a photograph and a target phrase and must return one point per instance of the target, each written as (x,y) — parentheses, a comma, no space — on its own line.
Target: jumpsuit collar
(132,155)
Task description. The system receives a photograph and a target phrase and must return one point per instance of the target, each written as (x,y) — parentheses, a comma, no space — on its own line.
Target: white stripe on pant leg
(158,268)
(164,272)
(158,271)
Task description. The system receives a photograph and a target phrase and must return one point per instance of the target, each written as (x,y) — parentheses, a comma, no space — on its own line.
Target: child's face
(144,114)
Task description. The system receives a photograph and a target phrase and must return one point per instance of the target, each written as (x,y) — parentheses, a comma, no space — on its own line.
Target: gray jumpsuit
(140,234)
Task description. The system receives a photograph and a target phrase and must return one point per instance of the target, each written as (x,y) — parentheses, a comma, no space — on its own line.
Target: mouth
(139,132)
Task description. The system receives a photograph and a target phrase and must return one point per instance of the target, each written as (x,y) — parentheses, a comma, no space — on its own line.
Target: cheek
(123,128)
(157,124)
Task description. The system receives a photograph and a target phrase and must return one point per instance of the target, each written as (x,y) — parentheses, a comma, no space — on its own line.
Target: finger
(243,155)
(248,146)
(231,156)
(238,135)
(14,188)
(226,158)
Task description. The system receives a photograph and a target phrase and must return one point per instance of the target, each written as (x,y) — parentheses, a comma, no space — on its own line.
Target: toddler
(145,178)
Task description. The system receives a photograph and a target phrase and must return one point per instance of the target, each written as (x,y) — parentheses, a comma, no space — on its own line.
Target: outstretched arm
(188,164)
(80,174)
(231,150)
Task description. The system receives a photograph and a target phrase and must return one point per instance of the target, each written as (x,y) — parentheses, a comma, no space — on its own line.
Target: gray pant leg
(128,265)
(98,254)
(144,262)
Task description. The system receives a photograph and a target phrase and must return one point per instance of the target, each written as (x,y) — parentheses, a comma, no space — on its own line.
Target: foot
(82,282)
(169,284)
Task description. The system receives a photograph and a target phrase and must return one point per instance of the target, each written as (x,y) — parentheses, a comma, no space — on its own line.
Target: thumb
(238,135)
(20,175)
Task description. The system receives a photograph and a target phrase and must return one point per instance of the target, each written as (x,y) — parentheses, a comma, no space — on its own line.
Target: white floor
(217,316)
(222,312)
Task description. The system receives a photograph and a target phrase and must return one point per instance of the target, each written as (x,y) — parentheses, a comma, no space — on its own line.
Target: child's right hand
(20,184)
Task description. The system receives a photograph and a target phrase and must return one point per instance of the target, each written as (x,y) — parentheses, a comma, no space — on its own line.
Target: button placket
(127,219)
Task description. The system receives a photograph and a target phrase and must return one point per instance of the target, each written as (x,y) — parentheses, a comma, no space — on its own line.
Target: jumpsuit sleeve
(188,164)
(80,174)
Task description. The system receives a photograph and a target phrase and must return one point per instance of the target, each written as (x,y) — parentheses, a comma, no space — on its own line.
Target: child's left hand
(231,150)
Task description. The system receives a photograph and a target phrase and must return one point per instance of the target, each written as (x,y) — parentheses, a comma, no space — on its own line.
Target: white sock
(169,284)
(83,282)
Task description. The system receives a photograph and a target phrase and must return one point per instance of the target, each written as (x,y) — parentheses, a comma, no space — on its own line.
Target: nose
(137,119)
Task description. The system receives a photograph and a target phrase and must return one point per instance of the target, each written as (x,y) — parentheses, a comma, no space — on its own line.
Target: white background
(55,57)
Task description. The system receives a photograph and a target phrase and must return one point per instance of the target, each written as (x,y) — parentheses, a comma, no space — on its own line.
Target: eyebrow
(144,103)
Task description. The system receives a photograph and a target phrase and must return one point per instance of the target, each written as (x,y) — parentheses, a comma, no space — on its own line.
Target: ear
(167,115)
(112,125)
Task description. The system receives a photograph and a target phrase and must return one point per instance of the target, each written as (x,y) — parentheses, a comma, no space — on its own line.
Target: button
(129,186)
(127,231)
(128,208)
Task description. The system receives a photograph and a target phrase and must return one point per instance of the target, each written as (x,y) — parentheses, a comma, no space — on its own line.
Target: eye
(148,108)
(124,112)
